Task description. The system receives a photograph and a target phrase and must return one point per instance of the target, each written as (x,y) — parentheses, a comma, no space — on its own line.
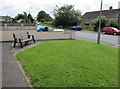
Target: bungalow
(5,18)
(110,14)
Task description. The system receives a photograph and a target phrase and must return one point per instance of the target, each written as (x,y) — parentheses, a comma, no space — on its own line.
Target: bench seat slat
(26,40)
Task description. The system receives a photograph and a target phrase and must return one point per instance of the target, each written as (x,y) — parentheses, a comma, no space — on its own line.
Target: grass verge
(71,64)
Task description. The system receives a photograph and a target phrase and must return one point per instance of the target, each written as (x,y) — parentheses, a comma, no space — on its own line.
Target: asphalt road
(106,39)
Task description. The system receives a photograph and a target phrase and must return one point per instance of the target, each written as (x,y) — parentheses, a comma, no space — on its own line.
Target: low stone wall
(17,26)
(8,35)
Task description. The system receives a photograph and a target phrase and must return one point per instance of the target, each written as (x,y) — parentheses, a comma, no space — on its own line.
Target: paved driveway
(106,39)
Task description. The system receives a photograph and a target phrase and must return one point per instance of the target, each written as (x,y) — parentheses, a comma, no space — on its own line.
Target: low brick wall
(17,26)
(8,35)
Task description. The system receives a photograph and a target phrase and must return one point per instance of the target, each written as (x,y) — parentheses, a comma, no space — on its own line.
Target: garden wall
(17,26)
(8,35)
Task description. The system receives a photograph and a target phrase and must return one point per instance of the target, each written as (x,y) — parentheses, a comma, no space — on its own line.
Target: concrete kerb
(23,72)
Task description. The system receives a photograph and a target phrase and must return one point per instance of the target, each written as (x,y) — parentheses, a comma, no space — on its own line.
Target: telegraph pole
(99,31)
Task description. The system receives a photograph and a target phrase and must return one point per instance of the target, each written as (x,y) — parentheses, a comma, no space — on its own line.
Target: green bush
(111,23)
(48,23)
(89,28)
(105,22)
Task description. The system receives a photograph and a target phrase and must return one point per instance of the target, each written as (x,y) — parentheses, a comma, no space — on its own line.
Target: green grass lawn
(71,64)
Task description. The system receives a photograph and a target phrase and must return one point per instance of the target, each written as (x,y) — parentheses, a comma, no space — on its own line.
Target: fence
(17,26)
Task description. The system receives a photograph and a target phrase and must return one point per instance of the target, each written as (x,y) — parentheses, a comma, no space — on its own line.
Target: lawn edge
(23,72)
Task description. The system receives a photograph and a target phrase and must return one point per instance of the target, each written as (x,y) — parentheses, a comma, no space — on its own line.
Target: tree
(105,22)
(48,18)
(30,18)
(19,16)
(66,16)
(24,18)
(103,19)
(13,20)
(112,23)
(43,16)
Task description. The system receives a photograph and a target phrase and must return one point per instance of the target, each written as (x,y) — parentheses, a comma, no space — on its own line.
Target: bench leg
(33,38)
(20,43)
(26,42)
(14,44)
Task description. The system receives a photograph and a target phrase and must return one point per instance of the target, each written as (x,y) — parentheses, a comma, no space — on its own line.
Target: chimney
(110,8)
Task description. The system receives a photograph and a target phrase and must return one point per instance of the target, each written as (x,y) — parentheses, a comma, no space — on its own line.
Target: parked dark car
(111,30)
(76,28)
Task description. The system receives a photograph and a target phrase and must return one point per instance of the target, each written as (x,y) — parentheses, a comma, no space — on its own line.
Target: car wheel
(104,32)
(114,33)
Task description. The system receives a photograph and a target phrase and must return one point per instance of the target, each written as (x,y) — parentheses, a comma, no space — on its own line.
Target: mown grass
(71,64)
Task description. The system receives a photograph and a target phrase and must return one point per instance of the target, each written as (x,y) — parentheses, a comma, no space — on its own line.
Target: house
(110,14)
(5,18)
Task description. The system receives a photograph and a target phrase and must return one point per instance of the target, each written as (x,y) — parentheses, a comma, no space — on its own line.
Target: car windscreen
(115,29)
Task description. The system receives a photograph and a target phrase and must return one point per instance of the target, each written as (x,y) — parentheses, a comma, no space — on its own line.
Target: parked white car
(58,30)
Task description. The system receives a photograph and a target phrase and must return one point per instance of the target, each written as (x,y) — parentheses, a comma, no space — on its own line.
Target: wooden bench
(22,38)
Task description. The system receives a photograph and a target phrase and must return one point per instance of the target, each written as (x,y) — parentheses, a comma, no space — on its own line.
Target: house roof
(108,13)
(5,17)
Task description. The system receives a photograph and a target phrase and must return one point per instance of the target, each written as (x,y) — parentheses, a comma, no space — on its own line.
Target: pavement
(12,75)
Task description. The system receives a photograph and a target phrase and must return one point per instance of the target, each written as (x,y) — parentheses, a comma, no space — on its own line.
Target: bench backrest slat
(21,35)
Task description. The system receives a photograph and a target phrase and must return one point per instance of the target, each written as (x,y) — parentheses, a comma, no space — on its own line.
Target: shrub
(105,22)
(89,28)
(48,23)
(111,23)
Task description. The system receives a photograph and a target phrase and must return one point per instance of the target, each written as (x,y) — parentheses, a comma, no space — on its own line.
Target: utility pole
(30,9)
(119,12)
(99,31)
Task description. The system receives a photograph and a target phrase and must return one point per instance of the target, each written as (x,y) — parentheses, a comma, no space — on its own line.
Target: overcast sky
(14,7)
